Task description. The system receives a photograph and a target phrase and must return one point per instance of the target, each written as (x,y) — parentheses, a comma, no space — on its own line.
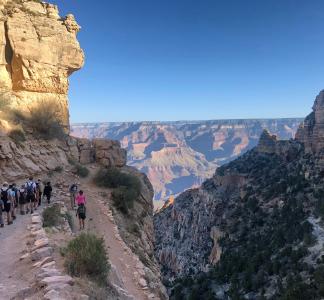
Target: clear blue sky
(202,59)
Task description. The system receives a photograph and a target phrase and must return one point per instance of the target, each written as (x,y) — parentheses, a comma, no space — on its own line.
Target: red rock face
(181,155)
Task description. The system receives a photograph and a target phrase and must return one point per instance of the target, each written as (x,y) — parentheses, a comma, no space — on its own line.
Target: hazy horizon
(188,121)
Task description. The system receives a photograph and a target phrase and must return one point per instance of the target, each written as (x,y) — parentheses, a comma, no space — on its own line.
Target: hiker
(6,202)
(22,199)
(1,209)
(40,191)
(48,192)
(12,198)
(30,194)
(73,193)
(81,211)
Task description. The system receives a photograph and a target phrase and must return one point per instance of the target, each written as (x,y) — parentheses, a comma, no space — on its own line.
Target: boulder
(57,280)
(41,253)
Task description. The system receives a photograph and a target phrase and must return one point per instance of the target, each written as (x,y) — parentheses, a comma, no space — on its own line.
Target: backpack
(81,209)
(4,195)
(30,188)
(73,188)
(22,193)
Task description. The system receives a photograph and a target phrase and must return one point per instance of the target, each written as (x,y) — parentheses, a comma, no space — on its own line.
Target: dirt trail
(124,262)
(14,275)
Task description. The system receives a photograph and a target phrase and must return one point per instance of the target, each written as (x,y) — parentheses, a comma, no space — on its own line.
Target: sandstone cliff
(38,52)
(250,230)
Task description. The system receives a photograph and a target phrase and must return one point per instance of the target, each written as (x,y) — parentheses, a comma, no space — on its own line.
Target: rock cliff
(38,52)
(311,131)
(253,230)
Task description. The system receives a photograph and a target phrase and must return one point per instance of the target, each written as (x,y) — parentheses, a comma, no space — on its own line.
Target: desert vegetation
(126,187)
(43,120)
(79,169)
(52,216)
(86,256)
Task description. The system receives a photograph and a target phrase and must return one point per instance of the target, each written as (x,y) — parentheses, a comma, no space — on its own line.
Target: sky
(196,60)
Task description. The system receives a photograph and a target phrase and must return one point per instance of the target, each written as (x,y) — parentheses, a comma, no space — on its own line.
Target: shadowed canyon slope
(255,229)
(180,155)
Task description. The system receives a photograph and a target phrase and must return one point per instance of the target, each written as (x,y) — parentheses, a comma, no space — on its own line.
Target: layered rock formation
(180,155)
(107,153)
(311,131)
(38,52)
(250,230)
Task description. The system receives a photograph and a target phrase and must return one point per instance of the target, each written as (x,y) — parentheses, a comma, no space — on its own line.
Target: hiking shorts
(82,216)
(7,207)
(22,201)
(30,198)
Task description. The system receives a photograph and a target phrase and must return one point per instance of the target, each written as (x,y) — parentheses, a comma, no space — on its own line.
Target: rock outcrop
(38,52)
(107,153)
(311,131)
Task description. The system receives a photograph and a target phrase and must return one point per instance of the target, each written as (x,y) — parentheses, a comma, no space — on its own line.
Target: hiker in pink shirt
(80,198)
(81,211)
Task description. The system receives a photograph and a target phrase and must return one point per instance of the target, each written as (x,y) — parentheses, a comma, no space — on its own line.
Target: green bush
(72,161)
(51,216)
(59,169)
(127,188)
(17,135)
(44,120)
(86,256)
(82,171)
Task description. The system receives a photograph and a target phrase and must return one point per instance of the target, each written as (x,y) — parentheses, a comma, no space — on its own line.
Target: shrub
(127,188)
(44,120)
(59,169)
(72,161)
(51,216)
(17,135)
(86,256)
(82,171)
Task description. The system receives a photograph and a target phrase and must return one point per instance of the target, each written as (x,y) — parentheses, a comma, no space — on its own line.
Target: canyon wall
(177,156)
(38,52)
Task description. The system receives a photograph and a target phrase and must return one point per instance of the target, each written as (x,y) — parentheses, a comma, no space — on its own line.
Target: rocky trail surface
(14,275)
(127,272)
(126,268)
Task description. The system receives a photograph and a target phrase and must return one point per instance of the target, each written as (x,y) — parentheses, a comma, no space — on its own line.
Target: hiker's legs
(71,200)
(1,218)
(8,217)
(22,209)
(40,199)
(13,210)
(80,223)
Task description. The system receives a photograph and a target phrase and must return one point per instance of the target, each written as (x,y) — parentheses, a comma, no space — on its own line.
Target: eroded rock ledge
(38,52)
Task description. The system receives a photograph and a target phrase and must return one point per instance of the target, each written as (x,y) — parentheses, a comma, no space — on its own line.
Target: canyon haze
(180,155)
